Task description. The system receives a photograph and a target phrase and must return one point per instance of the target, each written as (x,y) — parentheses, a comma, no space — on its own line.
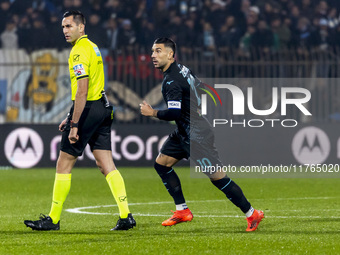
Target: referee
(192,138)
(89,122)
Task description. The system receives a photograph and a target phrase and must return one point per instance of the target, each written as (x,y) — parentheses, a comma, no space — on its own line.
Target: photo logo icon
(204,98)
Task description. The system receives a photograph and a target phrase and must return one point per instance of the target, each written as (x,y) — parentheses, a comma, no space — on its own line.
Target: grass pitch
(301,216)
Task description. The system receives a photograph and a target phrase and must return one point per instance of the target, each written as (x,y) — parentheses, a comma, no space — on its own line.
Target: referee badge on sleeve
(79,70)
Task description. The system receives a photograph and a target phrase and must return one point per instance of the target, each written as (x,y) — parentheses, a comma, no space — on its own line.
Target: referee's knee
(100,167)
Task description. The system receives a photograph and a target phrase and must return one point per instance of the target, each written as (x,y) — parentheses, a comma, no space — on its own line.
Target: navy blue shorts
(201,147)
(175,146)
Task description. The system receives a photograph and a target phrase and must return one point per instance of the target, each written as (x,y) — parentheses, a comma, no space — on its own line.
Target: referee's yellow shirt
(85,61)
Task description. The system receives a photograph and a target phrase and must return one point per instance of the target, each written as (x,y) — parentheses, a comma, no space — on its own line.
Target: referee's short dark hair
(167,43)
(78,17)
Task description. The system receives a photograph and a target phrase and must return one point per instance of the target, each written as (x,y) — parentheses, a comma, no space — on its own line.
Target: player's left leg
(233,192)
(116,183)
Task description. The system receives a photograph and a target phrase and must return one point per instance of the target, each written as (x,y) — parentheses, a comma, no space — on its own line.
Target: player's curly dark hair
(167,43)
(78,17)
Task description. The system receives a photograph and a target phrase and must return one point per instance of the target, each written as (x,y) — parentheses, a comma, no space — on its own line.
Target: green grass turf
(302,216)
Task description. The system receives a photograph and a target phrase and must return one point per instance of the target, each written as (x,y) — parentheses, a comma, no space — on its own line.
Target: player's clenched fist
(147,110)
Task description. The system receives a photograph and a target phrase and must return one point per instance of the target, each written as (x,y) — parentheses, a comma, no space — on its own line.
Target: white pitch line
(79,210)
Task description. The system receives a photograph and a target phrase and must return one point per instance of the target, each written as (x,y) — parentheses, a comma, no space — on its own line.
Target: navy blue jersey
(180,91)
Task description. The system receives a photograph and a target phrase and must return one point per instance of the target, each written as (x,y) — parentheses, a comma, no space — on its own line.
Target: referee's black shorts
(94,128)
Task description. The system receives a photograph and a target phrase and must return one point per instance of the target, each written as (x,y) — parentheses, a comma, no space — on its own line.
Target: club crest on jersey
(174,105)
(79,70)
(96,50)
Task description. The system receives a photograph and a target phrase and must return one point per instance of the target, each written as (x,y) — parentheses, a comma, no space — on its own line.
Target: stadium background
(256,39)
(220,39)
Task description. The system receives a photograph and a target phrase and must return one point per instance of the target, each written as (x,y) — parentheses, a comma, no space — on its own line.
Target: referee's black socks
(233,193)
(171,182)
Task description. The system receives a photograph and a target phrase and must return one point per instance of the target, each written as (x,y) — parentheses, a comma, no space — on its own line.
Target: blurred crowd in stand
(249,28)
(300,38)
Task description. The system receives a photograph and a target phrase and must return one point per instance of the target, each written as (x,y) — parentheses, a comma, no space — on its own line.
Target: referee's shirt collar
(82,37)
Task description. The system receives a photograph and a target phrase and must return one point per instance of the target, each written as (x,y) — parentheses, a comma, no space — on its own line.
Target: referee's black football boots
(125,223)
(44,224)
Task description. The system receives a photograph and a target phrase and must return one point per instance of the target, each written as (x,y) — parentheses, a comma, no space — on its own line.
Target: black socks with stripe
(233,193)
(226,185)
(171,182)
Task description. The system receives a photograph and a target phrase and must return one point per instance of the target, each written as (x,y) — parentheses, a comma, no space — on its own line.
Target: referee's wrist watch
(74,124)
